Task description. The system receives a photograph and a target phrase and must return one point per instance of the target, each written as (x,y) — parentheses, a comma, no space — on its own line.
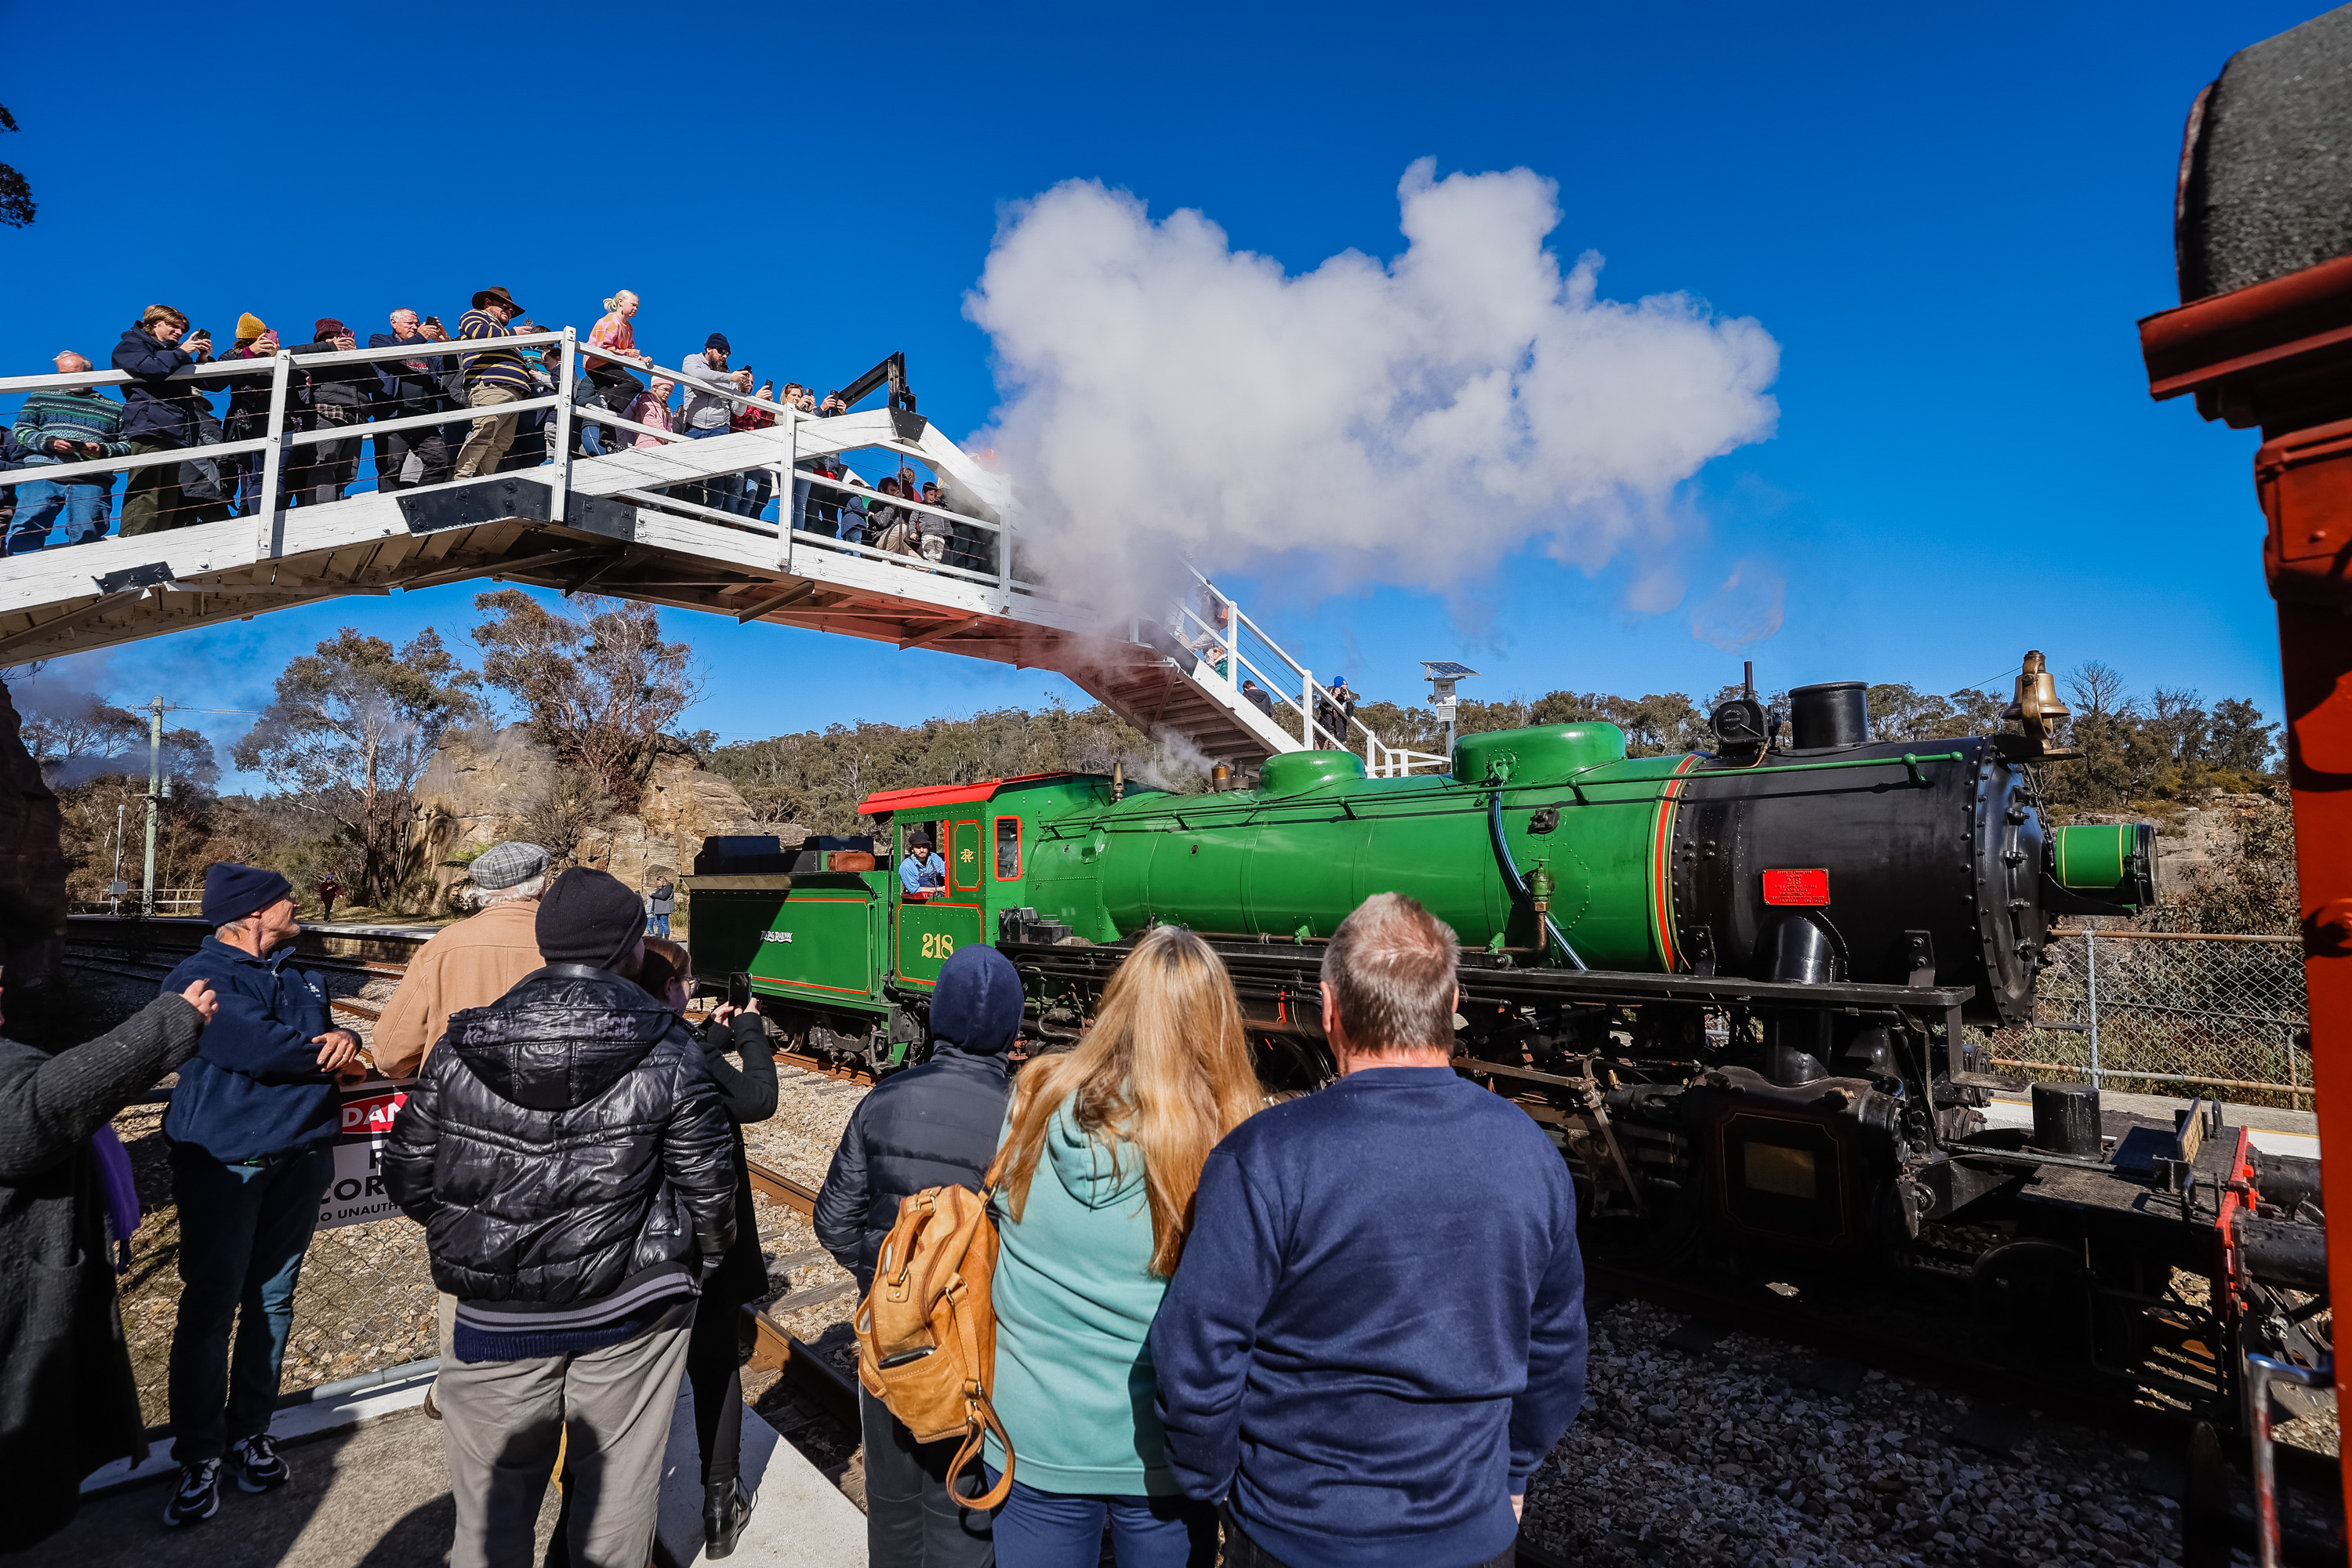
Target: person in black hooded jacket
(935,1126)
(572,1163)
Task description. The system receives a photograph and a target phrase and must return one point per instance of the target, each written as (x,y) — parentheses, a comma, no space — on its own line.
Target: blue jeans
(657,925)
(801,488)
(1060,1529)
(755,488)
(38,502)
(243,1232)
(719,493)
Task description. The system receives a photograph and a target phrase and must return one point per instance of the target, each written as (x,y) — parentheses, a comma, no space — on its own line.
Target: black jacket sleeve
(699,1157)
(410,1153)
(839,1217)
(750,1092)
(50,1108)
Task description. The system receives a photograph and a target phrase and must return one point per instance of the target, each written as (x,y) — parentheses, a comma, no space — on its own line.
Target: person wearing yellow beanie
(248,327)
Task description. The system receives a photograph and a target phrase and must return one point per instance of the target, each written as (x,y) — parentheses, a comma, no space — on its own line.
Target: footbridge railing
(764,522)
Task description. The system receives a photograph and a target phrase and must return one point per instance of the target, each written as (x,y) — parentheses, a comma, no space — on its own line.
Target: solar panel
(1442,667)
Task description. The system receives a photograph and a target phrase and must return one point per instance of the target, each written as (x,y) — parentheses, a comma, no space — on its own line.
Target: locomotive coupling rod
(2260,1372)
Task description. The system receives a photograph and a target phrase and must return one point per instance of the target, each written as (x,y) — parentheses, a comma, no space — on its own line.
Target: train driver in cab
(922,871)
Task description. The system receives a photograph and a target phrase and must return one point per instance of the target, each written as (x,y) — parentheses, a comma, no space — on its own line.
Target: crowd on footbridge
(621,399)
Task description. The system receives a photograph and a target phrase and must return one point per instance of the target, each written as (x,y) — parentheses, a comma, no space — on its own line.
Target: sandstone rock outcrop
(481,788)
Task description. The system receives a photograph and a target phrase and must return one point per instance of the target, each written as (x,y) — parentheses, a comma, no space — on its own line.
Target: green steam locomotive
(1759,960)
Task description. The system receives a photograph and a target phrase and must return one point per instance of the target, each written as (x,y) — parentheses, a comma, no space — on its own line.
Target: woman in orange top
(609,386)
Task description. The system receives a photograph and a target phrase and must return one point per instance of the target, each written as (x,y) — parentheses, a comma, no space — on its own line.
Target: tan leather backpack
(926,1331)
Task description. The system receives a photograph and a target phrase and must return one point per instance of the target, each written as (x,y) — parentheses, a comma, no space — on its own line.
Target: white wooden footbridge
(615,524)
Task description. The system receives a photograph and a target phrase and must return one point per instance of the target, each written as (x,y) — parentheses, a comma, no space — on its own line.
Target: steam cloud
(1745,609)
(1416,421)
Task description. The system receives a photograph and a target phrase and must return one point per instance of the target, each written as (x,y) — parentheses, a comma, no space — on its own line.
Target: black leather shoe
(725,1511)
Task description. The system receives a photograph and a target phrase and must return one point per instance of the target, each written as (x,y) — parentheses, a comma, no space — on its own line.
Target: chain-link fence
(2167,1012)
(365,1303)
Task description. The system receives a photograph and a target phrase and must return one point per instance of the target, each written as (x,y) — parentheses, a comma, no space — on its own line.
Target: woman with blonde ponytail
(1103,1147)
(609,387)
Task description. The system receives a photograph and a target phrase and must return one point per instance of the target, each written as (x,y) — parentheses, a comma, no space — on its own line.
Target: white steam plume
(1413,422)
(1745,609)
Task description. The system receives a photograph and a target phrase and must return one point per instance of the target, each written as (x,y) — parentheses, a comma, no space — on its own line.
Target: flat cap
(504,865)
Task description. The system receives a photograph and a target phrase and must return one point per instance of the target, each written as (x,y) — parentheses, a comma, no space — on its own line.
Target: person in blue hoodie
(1094,1184)
(252,1131)
(1378,1330)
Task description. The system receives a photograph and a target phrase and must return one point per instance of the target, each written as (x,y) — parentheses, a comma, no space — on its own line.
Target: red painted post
(2273,354)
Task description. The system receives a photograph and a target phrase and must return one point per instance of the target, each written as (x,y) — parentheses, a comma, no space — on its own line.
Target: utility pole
(154,794)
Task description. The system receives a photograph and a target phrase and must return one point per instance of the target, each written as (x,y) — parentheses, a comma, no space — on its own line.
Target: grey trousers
(502,1419)
(909,1522)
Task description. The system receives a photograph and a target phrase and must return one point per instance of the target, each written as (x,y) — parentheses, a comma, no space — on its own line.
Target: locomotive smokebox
(1834,714)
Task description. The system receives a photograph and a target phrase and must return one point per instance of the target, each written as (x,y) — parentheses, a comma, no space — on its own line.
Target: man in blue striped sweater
(493,376)
(1376,1332)
(69,425)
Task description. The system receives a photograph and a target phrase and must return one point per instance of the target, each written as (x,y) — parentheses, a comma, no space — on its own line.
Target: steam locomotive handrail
(1912,761)
(1519,884)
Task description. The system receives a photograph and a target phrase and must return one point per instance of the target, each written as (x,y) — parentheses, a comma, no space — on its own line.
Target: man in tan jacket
(470,965)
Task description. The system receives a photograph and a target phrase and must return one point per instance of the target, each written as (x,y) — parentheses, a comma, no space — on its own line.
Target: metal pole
(113,897)
(2260,1370)
(273,465)
(154,794)
(2091,968)
(567,371)
(787,488)
(1005,562)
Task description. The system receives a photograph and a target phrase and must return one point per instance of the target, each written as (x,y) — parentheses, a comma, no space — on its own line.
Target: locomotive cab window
(932,877)
(1008,848)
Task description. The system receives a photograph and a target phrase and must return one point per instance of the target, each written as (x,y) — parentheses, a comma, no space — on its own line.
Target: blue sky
(1948,220)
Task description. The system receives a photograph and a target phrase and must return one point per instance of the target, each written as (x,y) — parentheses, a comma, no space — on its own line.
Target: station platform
(371,1489)
(2275,1131)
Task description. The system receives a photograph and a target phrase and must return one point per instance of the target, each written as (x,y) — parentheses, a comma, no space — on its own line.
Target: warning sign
(365,1113)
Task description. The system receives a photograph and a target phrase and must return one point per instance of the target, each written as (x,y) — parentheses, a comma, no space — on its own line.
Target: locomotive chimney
(1834,714)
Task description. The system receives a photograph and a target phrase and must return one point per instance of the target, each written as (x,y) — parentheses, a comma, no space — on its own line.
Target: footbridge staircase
(635,523)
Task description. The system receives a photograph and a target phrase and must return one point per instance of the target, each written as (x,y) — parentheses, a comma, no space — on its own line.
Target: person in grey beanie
(570,1159)
(470,965)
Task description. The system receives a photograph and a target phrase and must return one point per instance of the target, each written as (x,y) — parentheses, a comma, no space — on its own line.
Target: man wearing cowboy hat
(493,376)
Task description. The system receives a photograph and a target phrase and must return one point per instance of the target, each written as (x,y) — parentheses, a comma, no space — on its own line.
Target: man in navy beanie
(573,1167)
(933,1127)
(252,1131)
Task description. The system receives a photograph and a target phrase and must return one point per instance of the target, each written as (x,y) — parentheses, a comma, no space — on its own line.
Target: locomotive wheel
(2033,1292)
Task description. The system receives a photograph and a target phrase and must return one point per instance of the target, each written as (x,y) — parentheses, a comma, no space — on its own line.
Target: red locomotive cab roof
(883,801)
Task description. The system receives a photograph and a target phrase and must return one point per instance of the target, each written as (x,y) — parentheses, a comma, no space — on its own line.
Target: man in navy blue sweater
(1376,1332)
(252,1130)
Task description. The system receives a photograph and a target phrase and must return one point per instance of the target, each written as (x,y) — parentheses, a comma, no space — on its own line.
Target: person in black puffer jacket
(936,1126)
(571,1161)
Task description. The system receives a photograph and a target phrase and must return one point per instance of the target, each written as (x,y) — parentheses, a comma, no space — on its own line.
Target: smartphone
(739,989)
(434,321)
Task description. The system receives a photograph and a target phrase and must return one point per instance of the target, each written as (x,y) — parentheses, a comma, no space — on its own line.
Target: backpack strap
(970,1453)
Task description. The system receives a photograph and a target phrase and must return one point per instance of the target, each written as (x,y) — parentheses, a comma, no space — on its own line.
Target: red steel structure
(2264,339)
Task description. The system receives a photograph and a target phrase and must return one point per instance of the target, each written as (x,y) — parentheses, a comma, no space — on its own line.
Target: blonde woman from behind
(1103,1147)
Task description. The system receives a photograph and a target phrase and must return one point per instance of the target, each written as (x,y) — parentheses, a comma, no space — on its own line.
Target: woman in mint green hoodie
(1093,1181)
